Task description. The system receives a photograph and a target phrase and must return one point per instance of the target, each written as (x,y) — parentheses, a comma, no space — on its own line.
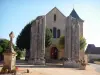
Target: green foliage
(82,42)
(48,37)
(96,59)
(23,53)
(23,39)
(19,54)
(62,42)
(1,49)
(4,44)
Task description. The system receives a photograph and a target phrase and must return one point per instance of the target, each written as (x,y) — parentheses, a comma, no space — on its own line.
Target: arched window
(54,32)
(54,17)
(51,30)
(58,33)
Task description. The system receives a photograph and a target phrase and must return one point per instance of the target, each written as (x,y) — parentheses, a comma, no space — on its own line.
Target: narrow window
(38,27)
(54,32)
(51,30)
(54,17)
(58,33)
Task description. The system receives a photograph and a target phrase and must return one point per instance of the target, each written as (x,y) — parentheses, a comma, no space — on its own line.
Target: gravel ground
(59,71)
(90,70)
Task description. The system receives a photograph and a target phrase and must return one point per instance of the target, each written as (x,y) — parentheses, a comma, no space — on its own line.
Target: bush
(4,44)
(82,43)
(62,42)
(1,49)
(19,54)
(96,59)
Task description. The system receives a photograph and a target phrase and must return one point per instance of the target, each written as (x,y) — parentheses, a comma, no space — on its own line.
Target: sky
(15,14)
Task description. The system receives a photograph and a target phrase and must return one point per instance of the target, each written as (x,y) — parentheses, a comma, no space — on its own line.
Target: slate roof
(39,17)
(75,15)
(91,49)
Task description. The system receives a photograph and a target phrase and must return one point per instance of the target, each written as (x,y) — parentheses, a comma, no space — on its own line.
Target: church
(55,20)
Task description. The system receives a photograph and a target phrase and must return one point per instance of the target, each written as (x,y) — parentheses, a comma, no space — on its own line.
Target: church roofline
(75,15)
(57,9)
(72,14)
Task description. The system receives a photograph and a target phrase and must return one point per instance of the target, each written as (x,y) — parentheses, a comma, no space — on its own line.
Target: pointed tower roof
(75,15)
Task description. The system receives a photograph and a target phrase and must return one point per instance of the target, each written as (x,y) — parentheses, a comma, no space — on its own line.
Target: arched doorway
(54,53)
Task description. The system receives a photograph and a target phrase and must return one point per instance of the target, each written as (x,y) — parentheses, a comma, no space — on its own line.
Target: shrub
(19,54)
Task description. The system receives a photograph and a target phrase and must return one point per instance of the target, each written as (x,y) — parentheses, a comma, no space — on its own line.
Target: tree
(62,42)
(19,54)
(48,37)
(1,49)
(82,42)
(23,39)
(4,44)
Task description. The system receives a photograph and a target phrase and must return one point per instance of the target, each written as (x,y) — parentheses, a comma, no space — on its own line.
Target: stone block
(71,64)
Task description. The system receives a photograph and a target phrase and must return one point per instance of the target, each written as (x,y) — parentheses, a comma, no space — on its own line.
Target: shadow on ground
(24,64)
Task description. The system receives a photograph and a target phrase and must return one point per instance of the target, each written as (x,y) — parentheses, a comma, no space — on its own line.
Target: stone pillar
(72,43)
(67,39)
(37,49)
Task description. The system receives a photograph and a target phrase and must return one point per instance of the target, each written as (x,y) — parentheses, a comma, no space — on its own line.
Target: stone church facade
(57,23)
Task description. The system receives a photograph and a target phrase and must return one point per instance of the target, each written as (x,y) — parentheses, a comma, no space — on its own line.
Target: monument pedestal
(9,61)
(71,64)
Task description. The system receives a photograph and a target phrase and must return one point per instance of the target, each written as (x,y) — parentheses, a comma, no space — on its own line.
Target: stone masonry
(72,43)
(70,26)
(37,50)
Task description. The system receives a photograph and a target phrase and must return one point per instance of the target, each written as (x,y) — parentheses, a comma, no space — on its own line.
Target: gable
(55,10)
(91,49)
(50,17)
(55,18)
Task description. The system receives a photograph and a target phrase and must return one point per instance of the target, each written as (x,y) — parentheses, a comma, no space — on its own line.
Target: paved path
(96,66)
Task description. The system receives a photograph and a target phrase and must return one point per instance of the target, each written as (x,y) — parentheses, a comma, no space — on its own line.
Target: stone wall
(37,49)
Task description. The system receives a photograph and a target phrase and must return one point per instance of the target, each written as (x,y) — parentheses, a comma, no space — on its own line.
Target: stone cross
(10,57)
(11,35)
